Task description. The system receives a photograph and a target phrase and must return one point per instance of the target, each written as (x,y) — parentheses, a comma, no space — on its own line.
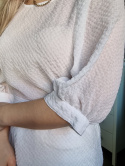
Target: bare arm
(7,154)
(32,114)
(5,132)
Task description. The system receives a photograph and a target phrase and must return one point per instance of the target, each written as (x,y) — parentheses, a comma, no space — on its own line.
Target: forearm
(33,115)
(4,134)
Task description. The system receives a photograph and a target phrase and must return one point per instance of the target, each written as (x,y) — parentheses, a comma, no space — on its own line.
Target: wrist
(4,115)
(4,134)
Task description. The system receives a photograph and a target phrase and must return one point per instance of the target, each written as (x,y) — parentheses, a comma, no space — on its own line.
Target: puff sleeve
(98,62)
(5,95)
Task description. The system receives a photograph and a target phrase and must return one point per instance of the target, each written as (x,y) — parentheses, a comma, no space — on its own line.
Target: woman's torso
(35,49)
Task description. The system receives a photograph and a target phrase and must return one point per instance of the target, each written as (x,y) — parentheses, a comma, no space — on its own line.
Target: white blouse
(71,54)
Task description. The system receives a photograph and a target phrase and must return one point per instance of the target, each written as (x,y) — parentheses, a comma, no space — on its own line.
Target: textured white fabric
(5,97)
(5,94)
(71,54)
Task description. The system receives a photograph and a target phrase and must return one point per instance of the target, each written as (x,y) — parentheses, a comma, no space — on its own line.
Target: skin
(33,114)
(7,154)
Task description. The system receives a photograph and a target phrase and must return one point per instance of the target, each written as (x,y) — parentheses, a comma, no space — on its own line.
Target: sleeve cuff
(69,113)
(5,97)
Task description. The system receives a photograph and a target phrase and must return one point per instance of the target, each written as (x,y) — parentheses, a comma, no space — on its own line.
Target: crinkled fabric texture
(71,54)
